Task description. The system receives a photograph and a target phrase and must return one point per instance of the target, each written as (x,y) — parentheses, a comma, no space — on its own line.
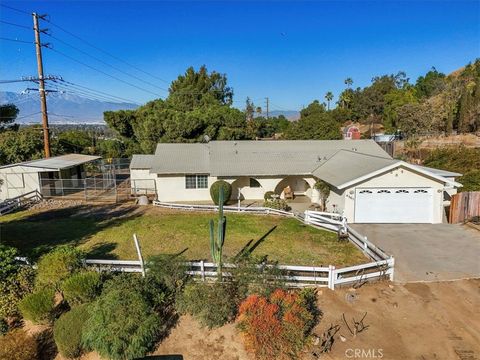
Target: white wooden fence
(12,204)
(294,276)
(239,209)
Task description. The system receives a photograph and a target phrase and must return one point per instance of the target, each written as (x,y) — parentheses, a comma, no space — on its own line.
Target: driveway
(428,252)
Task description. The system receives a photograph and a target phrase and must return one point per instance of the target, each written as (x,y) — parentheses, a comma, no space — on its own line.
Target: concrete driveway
(428,252)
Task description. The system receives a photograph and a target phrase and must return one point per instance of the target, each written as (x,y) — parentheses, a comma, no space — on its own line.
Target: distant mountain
(289,114)
(62,108)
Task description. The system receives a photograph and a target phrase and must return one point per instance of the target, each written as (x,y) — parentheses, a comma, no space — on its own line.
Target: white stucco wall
(18,180)
(401,178)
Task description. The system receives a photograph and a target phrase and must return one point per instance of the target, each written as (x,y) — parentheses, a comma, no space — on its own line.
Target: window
(254,183)
(365,192)
(383,191)
(402,191)
(196,181)
(202,181)
(421,191)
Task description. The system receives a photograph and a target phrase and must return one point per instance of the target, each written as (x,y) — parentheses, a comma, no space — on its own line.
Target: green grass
(106,232)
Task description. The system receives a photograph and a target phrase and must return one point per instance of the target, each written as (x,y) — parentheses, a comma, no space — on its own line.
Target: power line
(17,40)
(21,117)
(107,64)
(107,53)
(102,72)
(15,9)
(92,94)
(98,91)
(13,24)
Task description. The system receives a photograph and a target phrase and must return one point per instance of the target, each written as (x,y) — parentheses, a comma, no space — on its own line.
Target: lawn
(106,232)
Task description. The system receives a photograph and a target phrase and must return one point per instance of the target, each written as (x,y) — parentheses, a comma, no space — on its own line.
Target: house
(351,132)
(367,185)
(47,176)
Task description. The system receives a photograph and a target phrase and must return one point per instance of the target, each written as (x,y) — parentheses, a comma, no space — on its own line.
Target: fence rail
(294,276)
(239,209)
(20,201)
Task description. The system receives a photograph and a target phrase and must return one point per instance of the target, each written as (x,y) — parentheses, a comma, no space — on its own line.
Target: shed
(43,175)
(351,132)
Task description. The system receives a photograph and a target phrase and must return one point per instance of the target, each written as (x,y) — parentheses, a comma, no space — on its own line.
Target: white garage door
(394,205)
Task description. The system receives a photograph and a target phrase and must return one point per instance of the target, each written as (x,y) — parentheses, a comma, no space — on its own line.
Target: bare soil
(424,321)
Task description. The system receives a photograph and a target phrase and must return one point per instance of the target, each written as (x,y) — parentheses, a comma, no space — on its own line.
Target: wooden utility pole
(41,85)
(267,100)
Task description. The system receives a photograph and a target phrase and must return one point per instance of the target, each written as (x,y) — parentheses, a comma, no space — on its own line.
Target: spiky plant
(216,242)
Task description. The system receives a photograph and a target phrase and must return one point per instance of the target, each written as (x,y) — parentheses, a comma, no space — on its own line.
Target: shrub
(169,271)
(57,265)
(82,287)
(278,204)
(38,307)
(127,315)
(276,327)
(215,191)
(67,331)
(8,265)
(3,327)
(268,195)
(13,289)
(18,345)
(212,304)
(470,181)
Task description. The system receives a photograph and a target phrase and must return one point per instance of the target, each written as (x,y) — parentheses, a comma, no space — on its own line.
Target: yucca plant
(216,242)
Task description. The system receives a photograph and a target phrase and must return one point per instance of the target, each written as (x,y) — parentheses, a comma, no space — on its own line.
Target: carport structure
(47,176)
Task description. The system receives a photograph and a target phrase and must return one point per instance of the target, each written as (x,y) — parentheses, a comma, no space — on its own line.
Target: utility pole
(41,84)
(267,100)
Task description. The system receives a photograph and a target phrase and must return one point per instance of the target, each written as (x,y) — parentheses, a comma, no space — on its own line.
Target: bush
(268,195)
(57,265)
(278,204)
(169,271)
(13,289)
(38,307)
(67,331)
(127,315)
(215,191)
(212,304)
(18,345)
(8,265)
(82,287)
(276,327)
(470,181)
(3,327)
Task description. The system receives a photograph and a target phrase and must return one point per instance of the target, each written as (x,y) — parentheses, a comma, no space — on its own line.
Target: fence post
(85,187)
(391,263)
(202,269)
(331,277)
(139,253)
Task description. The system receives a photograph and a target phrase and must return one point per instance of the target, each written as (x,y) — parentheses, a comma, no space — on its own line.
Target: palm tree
(328,97)
(348,82)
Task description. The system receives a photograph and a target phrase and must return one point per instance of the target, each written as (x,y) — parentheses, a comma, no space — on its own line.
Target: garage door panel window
(421,191)
(383,191)
(402,191)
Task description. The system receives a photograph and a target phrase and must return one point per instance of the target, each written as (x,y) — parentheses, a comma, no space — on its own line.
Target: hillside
(63,108)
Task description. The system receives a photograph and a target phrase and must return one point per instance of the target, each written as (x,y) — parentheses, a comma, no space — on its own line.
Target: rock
(343,338)
(316,341)
(390,286)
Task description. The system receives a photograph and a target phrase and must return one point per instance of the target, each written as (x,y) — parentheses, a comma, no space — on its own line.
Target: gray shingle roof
(255,158)
(175,159)
(346,166)
(58,162)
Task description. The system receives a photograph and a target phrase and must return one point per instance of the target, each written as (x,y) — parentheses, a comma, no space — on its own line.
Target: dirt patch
(424,321)
(196,343)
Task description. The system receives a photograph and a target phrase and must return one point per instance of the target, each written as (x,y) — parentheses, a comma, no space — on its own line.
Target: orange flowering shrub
(275,327)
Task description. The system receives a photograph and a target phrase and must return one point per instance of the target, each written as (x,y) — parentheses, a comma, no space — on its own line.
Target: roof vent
(354,149)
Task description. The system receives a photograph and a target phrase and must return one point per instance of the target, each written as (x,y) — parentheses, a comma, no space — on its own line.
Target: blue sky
(292,52)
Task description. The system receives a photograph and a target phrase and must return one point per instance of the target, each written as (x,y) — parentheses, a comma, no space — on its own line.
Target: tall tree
(8,114)
(328,97)
(349,82)
(314,123)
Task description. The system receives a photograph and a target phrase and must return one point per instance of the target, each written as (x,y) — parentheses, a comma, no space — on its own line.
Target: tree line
(199,107)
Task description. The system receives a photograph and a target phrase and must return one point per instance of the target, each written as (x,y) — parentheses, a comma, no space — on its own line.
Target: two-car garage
(394,205)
